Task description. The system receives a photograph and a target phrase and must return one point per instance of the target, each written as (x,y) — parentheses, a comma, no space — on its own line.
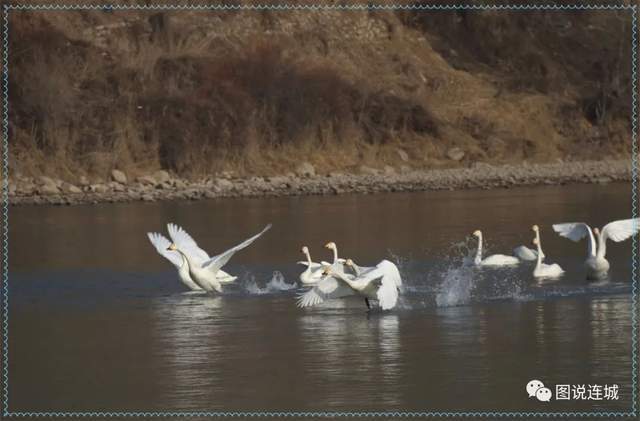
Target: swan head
(349,262)
(477,233)
(535,228)
(330,245)
(172,247)
(596,231)
(305,249)
(326,270)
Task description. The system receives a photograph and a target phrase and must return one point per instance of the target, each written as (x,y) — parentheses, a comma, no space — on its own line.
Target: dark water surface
(99,321)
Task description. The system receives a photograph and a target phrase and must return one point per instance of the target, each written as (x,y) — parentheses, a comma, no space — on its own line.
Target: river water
(98,321)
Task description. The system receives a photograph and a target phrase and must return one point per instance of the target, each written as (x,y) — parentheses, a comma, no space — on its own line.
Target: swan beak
(172,247)
(328,245)
(349,262)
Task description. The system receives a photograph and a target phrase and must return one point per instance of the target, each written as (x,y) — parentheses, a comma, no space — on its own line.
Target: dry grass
(185,98)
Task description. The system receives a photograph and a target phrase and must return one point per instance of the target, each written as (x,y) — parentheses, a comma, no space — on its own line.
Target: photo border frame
(4,235)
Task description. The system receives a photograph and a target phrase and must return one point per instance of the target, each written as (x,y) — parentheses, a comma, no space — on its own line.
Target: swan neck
(478,258)
(343,278)
(602,246)
(539,260)
(186,259)
(308,258)
(335,254)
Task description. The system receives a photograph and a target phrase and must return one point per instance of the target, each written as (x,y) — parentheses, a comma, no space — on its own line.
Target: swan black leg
(366,300)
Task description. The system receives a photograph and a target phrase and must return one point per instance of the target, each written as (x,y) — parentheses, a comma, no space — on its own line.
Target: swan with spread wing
(181,237)
(379,283)
(596,263)
(203,271)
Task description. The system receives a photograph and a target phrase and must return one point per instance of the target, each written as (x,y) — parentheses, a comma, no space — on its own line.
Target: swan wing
(621,230)
(499,260)
(216,262)
(525,253)
(186,243)
(161,243)
(326,289)
(576,231)
(313,265)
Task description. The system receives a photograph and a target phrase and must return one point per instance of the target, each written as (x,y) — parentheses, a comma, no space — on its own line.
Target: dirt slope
(201,92)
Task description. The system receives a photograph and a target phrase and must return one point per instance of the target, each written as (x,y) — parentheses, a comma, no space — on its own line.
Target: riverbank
(163,186)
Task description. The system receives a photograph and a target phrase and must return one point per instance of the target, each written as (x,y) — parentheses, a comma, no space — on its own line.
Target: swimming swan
(543,270)
(493,260)
(525,253)
(596,263)
(204,273)
(313,273)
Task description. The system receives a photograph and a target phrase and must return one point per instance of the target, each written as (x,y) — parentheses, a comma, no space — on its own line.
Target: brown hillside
(200,92)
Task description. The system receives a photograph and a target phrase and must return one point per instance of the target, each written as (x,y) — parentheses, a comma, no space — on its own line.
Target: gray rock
(119,177)
(306,170)
(48,188)
(98,188)
(161,176)
(368,170)
(43,180)
(389,170)
(148,198)
(455,154)
(403,155)
(70,188)
(83,181)
(224,184)
(146,180)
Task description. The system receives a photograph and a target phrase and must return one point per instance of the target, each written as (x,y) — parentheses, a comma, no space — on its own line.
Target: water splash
(276,283)
(457,286)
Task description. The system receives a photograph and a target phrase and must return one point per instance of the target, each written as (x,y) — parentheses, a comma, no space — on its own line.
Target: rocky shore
(163,186)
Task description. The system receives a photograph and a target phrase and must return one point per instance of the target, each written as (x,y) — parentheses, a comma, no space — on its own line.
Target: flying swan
(185,241)
(543,270)
(205,273)
(380,283)
(493,260)
(597,265)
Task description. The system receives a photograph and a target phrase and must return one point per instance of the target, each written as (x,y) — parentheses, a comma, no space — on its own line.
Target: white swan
(359,270)
(597,265)
(543,270)
(327,288)
(161,244)
(339,263)
(313,273)
(525,253)
(184,240)
(204,274)
(380,283)
(493,260)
